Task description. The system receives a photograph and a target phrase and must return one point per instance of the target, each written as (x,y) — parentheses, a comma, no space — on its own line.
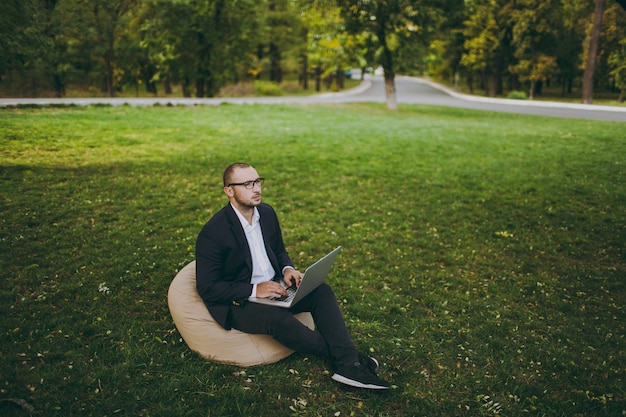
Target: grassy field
(483,264)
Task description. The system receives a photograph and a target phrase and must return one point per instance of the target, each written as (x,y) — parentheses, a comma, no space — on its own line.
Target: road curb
(511,102)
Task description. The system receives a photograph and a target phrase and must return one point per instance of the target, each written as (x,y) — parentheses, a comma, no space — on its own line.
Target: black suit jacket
(224,261)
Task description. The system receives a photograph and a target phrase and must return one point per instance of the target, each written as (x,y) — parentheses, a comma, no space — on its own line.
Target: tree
(283,27)
(165,43)
(617,60)
(592,52)
(447,50)
(26,46)
(570,34)
(50,45)
(88,37)
(134,64)
(201,43)
(330,47)
(612,54)
(596,53)
(395,25)
(482,43)
(533,39)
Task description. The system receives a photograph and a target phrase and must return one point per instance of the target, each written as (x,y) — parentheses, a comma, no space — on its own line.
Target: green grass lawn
(483,263)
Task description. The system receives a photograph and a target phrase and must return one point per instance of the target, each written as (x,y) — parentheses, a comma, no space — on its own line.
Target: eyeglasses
(248,184)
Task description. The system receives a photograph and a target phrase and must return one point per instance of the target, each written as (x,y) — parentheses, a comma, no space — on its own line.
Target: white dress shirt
(262,270)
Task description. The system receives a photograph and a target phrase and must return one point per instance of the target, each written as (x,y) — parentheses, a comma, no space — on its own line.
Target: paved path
(409,91)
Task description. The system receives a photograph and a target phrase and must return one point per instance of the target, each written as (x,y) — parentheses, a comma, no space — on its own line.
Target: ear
(229,192)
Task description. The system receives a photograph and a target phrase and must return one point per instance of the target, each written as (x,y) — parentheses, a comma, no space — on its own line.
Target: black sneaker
(371,363)
(359,376)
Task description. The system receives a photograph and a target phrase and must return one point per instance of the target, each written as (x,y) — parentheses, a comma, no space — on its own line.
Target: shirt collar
(255,217)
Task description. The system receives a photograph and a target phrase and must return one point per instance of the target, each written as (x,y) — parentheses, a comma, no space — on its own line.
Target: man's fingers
(270,289)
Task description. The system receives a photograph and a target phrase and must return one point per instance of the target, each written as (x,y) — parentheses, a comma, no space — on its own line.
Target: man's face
(241,196)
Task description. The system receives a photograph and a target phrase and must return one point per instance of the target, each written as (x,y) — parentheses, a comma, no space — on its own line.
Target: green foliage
(396,27)
(210,49)
(286,38)
(615,37)
(27,49)
(121,47)
(533,36)
(266,88)
(517,95)
(482,36)
(483,257)
(329,44)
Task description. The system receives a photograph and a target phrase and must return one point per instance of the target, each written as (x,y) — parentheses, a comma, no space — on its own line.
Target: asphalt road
(409,91)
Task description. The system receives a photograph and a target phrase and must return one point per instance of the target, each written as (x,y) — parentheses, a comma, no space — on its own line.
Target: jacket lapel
(240,235)
(270,253)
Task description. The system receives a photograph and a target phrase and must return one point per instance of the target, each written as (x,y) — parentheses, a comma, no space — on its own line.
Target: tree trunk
(186,88)
(259,55)
(390,91)
(211,85)
(485,83)
(304,77)
(276,73)
(341,84)
(499,84)
(620,99)
(388,67)
(593,52)
(59,86)
(200,87)
(531,93)
(470,83)
(148,81)
(493,87)
(109,75)
(167,86)
(305,72)
(318,78)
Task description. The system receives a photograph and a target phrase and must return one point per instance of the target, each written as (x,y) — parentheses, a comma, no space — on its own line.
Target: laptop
(313,277)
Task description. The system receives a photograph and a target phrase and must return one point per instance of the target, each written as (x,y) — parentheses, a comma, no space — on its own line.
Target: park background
(567,50)
(483,257)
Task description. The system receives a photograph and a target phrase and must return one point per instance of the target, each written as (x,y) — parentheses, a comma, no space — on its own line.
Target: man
(240,254)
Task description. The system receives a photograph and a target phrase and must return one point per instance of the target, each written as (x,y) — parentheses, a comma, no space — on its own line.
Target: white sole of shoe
(347,381)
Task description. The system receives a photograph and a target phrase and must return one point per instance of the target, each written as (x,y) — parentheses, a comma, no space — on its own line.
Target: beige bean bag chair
(206,337)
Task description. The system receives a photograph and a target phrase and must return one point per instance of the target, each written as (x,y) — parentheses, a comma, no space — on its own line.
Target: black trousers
(330,339)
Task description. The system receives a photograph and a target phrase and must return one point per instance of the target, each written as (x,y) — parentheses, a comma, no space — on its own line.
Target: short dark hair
(228,172)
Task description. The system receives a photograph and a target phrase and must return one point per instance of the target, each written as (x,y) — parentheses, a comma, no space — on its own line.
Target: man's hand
(292,277)
(270,289)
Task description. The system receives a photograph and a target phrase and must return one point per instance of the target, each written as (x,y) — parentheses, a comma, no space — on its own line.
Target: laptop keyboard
(291,292)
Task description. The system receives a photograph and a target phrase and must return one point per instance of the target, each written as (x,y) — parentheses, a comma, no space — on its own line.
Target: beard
(248,201)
